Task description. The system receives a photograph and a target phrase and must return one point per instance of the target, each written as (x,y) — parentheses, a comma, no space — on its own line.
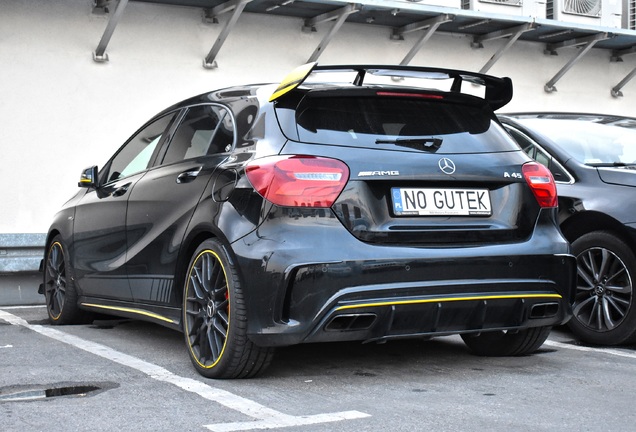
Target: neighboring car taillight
(298,181)
(541,183)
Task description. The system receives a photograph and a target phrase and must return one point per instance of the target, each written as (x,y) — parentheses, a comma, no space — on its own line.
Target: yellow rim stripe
(185,321)
(292,80)
(131,310)
(57,317)
(448,299)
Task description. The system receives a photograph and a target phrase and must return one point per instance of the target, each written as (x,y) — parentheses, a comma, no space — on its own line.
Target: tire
(215,318)
(502,343)
(603,310)
(59,287)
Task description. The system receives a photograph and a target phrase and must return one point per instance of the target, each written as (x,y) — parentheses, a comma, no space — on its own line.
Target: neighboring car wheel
(603,311)
(503,343)
(59,288)
(215,318)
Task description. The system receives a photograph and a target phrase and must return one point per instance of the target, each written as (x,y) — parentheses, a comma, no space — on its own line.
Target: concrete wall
(60,111)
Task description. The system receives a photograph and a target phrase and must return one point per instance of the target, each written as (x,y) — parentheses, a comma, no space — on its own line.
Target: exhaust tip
(544,310)
(351,322)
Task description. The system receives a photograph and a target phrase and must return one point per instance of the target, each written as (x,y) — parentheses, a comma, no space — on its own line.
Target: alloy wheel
(604,289)
(55,286)
(207,309)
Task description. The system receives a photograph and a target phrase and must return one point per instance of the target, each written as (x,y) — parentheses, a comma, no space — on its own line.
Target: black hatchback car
(593,160)
(350,203)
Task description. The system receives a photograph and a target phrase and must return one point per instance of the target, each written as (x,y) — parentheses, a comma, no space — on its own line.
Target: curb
(20,289)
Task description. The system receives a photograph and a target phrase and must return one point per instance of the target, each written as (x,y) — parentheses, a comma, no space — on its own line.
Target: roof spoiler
(498,91)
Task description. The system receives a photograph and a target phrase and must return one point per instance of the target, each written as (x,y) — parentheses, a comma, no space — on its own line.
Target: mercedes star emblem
(446,165)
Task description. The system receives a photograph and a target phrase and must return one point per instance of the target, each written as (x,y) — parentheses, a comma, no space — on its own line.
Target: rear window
(380,121)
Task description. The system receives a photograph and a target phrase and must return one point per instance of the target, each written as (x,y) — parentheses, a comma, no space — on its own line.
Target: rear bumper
(424,316)
(307,279)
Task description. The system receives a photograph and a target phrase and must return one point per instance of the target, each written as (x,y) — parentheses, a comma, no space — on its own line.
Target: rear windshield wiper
(424,144)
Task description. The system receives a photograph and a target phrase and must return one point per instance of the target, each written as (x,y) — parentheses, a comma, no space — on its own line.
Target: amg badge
(378,173)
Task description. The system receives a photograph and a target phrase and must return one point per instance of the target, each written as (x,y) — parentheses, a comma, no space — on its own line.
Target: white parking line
(284,420)
(610,351)
(264,417)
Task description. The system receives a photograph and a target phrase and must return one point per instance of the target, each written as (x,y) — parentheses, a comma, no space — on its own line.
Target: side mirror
(88,178)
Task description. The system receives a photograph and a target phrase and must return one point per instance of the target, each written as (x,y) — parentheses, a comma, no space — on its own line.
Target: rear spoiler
(498,91)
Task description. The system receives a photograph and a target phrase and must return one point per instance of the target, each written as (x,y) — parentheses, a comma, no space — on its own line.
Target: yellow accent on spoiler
(293,80)
(130,310)
(448,299)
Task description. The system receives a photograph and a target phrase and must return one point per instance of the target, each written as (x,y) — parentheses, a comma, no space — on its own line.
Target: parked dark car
(350,203)
(593,160)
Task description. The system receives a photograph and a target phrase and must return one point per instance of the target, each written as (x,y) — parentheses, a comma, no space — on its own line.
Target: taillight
(541,183)
(298,181)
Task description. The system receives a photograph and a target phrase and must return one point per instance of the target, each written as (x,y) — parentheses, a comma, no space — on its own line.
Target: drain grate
(31,394)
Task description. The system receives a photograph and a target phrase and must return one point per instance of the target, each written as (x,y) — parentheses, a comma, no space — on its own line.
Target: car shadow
(416,357)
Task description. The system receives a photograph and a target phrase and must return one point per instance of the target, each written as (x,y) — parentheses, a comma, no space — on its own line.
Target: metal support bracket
(339,15)
(588,43)
(512,33)
(515,31)
(617,55)
(432,24)
(616,90)
(211,15)
(99,55)
(101,7)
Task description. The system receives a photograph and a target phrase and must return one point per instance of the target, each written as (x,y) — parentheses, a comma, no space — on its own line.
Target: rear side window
(537,153)
(377,121)
(205,130)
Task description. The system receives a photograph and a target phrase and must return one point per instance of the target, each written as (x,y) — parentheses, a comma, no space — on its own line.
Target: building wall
(60,111)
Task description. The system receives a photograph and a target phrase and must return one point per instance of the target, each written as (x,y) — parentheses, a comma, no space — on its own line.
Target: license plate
(440,202)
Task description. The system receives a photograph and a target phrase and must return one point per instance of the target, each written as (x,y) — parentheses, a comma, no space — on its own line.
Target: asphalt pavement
(131,375)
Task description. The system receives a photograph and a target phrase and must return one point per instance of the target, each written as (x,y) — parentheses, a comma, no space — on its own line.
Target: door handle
(121,190)
(189,175)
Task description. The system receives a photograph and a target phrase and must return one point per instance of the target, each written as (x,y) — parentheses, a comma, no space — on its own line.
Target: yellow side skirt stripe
(131,310)
(448,299)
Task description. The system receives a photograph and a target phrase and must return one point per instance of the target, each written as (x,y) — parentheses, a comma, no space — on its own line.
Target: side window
(136,155)
(205,130)
(525,144)
(539,155)
(542,157)
(558,173)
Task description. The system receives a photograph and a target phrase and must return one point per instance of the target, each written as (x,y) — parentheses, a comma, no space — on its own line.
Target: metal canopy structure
(404,16)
